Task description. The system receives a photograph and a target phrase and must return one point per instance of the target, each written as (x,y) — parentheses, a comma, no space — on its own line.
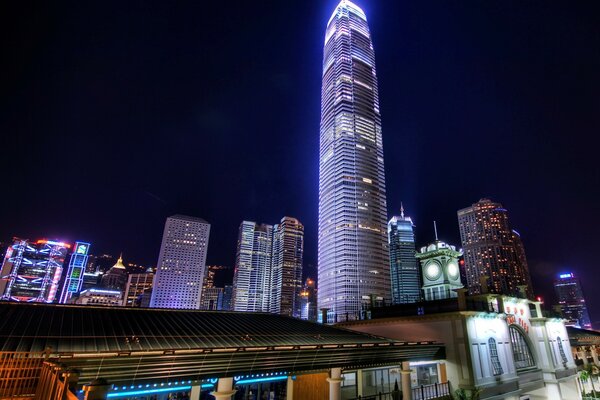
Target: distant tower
(404,272)
(252,275)
(441,275)
(73,279)
(181,262)
(493,249)
(116,277)
(571,301)
(288,250)
(353,253)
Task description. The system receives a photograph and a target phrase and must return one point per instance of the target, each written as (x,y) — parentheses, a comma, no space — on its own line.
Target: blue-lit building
(404,270)
(571,301)
(73,279)
(31,271)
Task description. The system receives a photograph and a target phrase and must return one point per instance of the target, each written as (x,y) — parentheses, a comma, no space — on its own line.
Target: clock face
(432,270)
(452,270)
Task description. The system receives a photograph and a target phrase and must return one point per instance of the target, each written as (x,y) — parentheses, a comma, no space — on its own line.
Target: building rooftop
(188,218)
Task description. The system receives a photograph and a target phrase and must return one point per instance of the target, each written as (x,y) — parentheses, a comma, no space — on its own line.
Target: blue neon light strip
(258,380)
(148,391)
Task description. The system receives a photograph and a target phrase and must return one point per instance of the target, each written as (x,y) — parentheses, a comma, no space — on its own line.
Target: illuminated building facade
(137,284)
(116,277)
(98,297)
(493,250)
(441,274)
(352,246)
(252,275)
(308,301)
(73,280)
(571,301)
(32,270)
(181,263)
(404,271)
(286,279)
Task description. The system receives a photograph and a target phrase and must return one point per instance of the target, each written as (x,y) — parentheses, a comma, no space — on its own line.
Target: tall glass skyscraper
(404,270)
(571,301)
(353,252)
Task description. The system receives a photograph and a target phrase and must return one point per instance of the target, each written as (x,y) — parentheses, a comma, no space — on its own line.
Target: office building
(308,301)
(73,279)
(181,262)
(492,250)
(212,298)
(98,297)
(286,279)
(116,277)
(352,249)
(252,275)
(404,270)
(227,301)
(31,271)
(571,301)
(137,284)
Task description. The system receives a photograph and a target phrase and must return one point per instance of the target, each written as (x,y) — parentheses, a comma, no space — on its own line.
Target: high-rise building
(353,253)
(116,277)
(181,262)
(493,250)
(286,273)
(252,275)
(308,301)
(404,271)
(98,297)
(32,271)
(73,279)
(227,302)
(571,301)
(136,285)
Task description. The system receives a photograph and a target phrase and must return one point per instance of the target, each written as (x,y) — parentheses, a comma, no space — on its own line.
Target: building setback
(493,250)
(404,270)
(352,250)
(181,263)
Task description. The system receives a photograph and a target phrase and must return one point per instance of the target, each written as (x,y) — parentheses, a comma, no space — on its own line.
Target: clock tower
(439,266)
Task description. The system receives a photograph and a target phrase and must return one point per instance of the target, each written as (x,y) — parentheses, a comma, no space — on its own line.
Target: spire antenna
(401,210)
(435,230)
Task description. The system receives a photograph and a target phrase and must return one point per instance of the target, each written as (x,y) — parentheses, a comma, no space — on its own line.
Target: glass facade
(571,301)
(32,270)
(352,246)
(74,278)
(404,270)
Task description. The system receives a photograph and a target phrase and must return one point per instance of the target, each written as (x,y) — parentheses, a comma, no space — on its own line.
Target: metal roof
(115,342)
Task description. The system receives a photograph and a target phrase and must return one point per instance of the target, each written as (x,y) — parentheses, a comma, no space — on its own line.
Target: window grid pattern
(496,365)
(521,351)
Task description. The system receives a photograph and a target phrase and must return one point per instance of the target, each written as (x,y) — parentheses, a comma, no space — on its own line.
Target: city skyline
(487,91)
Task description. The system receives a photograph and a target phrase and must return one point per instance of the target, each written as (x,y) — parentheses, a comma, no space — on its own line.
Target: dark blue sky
(116,114)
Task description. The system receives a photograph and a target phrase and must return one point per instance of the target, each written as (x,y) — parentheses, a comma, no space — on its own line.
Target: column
(97,390)
(406,385)
(196,391)
(335,382)
(289,394)
(595,355)
(224,389)
(583,356)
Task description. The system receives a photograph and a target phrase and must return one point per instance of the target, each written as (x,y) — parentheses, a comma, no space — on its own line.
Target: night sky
(115,115)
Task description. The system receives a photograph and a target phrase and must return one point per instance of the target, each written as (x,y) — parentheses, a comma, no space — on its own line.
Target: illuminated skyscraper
(571,301)
(491,248)
(31,271)
(137,284)
(353,252)
(252,276)
(181,262)
(73,279)
(288,250)
(404,271)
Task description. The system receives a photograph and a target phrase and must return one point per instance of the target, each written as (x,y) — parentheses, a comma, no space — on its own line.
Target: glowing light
(149,391)
(258,380)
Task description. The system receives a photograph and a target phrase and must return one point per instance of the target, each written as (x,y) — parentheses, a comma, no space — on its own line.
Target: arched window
(561,349)
(521,351)
(496,366)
